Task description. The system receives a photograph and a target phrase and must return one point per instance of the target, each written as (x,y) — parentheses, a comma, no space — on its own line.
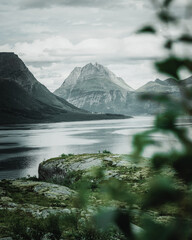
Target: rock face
(57,169)
(38,198)
(95,89)
(24,99)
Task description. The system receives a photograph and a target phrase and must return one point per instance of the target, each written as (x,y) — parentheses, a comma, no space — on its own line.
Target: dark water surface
(24,146)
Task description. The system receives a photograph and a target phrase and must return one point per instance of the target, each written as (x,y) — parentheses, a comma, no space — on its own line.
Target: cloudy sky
(54,36)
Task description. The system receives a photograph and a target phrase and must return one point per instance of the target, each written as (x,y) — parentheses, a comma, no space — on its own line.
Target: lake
(24,146)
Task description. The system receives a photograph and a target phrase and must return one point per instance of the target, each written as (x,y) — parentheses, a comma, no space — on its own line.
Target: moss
(133,177)
(21,196)
(70,180)
(79,157)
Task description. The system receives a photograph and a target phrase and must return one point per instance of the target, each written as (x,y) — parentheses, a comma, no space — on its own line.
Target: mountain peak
(88,65)
(98,65)
(73,77)
(8,54)
(77,69)
(95,88)
(93,76)
(12,68)
(9,57)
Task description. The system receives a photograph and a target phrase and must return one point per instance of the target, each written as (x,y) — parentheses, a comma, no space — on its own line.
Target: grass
(95,185)
(63,155)
(73,158)
(106,152)
(22,226)
(22,196)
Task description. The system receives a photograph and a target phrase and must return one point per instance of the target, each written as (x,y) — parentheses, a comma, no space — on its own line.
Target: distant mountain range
(23,99)
(95,88)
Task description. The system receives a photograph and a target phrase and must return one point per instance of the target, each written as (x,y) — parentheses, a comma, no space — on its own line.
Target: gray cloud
(73,3)
(54,36)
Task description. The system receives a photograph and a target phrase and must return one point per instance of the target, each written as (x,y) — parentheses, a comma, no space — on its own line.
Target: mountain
(96,89)
(24,99)
(13,69)
(167,87)
(158,86)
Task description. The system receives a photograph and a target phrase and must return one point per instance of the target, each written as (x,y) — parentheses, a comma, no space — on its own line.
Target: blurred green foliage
(171,187)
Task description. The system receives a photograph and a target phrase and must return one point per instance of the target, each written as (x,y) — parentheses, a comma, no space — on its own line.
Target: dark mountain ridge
(23,99)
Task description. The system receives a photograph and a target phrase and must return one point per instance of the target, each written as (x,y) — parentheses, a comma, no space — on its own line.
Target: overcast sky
(54,36)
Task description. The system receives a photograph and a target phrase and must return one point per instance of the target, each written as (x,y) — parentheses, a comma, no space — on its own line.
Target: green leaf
(162,191)
(186,38)
(166,121)
(159,160)
(82,197)
(166,17)
(147,29)
(105,218)
(123,221)
(167,3)
(183,166)
(160,98)
(118,190)
(188,64)
(140,141)
(177,230)
(169,44)
(119,217)
(170,66)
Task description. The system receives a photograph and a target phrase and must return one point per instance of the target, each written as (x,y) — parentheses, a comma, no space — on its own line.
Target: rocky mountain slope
(159,86)
(96,89)
(166,86)
(24,99)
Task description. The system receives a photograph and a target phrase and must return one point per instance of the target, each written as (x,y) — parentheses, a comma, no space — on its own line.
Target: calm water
(23,147)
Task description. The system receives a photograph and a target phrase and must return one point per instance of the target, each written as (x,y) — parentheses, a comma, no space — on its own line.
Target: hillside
(23,99)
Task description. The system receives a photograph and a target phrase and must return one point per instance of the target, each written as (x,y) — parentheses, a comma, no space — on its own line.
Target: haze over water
(24,146)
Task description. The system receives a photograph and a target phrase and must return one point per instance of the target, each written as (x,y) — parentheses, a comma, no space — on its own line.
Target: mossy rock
(60,170)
